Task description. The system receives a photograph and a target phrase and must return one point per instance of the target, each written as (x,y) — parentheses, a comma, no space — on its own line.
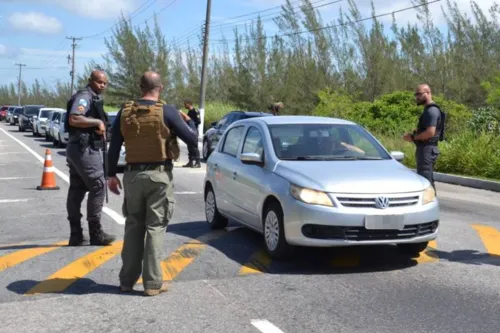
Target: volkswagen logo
(382,202)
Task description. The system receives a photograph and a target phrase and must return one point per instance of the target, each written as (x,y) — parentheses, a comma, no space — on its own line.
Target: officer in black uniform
(193,150)
(87,123)
(429,132)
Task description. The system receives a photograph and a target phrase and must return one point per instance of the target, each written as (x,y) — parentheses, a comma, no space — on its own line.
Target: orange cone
(49,176)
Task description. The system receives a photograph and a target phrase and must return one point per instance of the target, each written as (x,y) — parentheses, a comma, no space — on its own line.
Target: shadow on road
(80,287)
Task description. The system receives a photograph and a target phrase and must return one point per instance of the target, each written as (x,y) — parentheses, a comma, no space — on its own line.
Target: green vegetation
(346,68)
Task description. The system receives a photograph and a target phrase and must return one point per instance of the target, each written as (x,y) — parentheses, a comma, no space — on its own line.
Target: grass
(467,154)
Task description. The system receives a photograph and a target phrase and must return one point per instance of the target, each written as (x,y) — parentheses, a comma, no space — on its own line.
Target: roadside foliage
(363,67)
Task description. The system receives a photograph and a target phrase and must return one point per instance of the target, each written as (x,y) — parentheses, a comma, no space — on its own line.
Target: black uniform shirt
(172,119)
(429,118)
(194,116)
(81,105)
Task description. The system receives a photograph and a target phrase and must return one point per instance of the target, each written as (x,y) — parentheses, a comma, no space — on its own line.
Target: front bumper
(319,226)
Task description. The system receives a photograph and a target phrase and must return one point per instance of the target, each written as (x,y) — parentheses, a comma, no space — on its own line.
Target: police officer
(275,108)
(149,128)
(86,124)
(428,133)
(193,151)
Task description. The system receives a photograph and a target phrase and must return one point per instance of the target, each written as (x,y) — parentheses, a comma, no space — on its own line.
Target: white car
(332,184)
(41,121)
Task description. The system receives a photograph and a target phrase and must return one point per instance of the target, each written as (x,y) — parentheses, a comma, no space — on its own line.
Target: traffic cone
(48,176)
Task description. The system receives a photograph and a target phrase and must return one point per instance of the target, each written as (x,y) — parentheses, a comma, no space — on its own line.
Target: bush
(468,153)
(486,119)
(391,114)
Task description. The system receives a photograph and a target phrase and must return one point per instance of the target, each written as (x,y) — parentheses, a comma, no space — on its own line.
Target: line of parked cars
(45,122)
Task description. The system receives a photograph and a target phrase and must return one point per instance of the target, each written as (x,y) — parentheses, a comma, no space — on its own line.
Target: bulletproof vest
(147,138)
(440,128)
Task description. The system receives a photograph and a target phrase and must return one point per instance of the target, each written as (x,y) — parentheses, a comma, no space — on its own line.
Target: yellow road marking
(20,256)
(427,256)
(259,262)
(490,237)
(68,275)
(184,255)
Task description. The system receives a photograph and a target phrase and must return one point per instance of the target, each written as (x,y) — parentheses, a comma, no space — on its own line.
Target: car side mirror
(397,155)
(214,124)
(251,158)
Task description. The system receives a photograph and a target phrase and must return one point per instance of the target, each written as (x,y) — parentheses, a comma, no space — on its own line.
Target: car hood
(381,176)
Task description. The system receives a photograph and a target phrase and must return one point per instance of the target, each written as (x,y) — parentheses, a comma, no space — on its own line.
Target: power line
(19,83)
(331,26)
(73,61)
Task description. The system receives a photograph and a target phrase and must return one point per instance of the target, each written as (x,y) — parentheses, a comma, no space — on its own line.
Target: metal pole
(204,69)
(73,63)
(19,84)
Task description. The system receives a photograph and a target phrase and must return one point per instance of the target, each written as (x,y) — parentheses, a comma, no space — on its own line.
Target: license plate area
(385,222)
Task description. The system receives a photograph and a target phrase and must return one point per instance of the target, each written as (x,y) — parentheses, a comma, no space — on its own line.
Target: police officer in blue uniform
(429,132)
(87,124)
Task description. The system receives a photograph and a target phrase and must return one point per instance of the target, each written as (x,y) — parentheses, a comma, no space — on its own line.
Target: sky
(35,32)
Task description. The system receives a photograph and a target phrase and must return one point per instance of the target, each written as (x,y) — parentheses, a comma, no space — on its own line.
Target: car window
(253,142)
(223,121)
(232,141)
(324,141)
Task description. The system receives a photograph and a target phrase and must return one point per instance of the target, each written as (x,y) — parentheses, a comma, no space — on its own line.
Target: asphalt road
(221,281)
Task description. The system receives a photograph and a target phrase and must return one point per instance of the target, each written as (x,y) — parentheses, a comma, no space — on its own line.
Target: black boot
(197,164)
(98,236)
(76,237)
(188,164)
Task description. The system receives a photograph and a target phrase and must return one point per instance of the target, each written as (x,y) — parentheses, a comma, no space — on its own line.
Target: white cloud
(100,9)
(35,22)
(7,51)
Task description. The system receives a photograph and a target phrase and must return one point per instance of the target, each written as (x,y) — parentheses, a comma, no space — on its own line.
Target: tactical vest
(147,138)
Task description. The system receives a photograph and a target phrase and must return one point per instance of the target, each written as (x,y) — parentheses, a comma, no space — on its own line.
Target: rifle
(105,165)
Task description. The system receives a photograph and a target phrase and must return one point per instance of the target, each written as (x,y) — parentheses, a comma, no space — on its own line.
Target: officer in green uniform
(275,108)
(149,128)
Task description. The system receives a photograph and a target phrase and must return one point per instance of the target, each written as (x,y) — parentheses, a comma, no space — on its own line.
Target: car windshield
(324,142)
(45,113)
(31,110)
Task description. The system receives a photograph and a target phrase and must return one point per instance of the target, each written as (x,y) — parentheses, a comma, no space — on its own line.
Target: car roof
(48,108)
(279,120)
(112,113)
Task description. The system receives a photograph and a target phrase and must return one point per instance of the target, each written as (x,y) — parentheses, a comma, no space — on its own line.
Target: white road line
(265,326)
(9,178)
(186,192)
(13,200)
(11,152)
(111,213)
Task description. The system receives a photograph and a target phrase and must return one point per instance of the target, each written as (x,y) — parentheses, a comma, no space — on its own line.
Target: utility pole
(204,69)
(74,39)
(19,84)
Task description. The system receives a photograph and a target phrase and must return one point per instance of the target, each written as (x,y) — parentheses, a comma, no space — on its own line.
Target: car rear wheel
(412,249)
(274,232)
(212,214)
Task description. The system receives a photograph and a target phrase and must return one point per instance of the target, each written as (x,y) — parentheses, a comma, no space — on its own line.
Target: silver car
(319,182)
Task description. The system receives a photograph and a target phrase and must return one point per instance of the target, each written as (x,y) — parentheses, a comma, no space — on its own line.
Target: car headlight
(429,195)
(310,196)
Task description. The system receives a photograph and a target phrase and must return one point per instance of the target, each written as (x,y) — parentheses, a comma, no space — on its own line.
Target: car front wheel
(413,249)
(274,232)
(212,214)
(205,150)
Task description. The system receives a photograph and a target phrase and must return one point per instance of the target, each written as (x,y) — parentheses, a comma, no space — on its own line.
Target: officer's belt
(163,166)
